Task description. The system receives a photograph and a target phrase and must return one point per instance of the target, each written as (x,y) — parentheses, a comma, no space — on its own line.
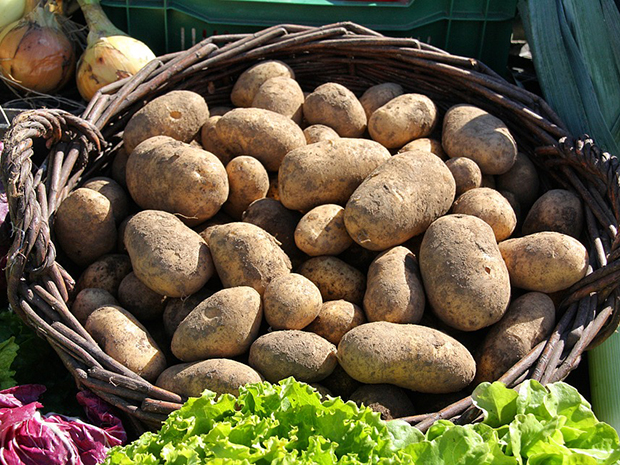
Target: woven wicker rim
(38,178)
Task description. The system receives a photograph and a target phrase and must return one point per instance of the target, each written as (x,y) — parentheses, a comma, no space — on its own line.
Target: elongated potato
(335,279)
(378,95)
(399,200)
(248,83)
(410,356)
(321,231)
(291,301)
(546,261)
(336,318)
(465,279)
(282,95)
(327,172)
(556,210)
(248,181)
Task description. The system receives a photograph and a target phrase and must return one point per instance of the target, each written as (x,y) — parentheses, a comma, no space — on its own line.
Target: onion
(110,54)
(35,53)
(11,10)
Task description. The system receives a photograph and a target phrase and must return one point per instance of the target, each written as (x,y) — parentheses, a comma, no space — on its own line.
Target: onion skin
(11,10)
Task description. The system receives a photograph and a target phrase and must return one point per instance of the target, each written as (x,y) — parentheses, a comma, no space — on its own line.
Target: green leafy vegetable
(8,352)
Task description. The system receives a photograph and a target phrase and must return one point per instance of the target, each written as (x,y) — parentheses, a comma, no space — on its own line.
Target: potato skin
(177,309)
(114,193)
(211,142)
(280,354)
(556,210)
(528,321)
(394,290)
(223,325)
(378,95)
(410,356)
(327,172)
(465,279)
(220,375)
(335,319)
(140,300)
(545,262)
(491,207)
(466,173)
(247,84)
(335,279)
(291,301)
(90,299)
(319,132)
(282,95)
(123,338)
(428,145)
(166,255)
(388,400)
(106,273)
(399,200)
(522,180)
(248,181)
(321,231)
(471,132)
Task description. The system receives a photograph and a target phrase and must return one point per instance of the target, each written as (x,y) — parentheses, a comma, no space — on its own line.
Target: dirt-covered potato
(327,171)
(410,356)
(522,180)
(165,174)
(335,319)
(335,279)
(126,340)
(427,144)
(223,325)
(318,132)
(464,276)
(403,119)
(291,301)
(336,106)
(178,308)
(471,132)
(114,193)
(248,181)
(178,114)
(303,355)
(220,375)
(466,173)
(321,231)
(399,200)
(166,255)
(140,300)
(84,226)
(491,207)
(246,255)
(546,261)
(378,95)
(118,166)
(283,95)
(340,383)
(394,290)
(248,83)
(556,210)
(262,134)
(211,142)
(90,299)
(388,400)
(528,321)
(106,273)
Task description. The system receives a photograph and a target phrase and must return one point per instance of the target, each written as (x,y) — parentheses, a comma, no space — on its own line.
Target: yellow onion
(110,54)
(11,10)
(35,53)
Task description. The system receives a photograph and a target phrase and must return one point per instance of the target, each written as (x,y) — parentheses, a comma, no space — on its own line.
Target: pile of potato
(370,245)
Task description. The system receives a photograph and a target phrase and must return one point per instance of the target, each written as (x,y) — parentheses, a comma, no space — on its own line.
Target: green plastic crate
(474,28)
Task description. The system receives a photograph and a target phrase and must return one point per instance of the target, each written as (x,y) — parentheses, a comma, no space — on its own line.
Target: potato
(120,235)
(85,227)
(248,181)
(471,132)
(118,166)
(546,261)
(378,95)
(126,340)
(336,106)
(262,134)
(388,400)
(114,193)
(90,299)
(246,255)
(394,290)
(556,210)
(528,321)
(205,229)
(466,173)
(402,119)
(522,180)
(251,79)
(178,114)
(223,325)
(465,279)
(283,95)
(211,142)
(335,319)
(140,300)
(106,273)
(327,172)
(410,356)
(319,132)
(340,383)
(335,279)
(273,192)
(491,207)
(166,255)
(178,308)
(399,200)
(220,375)
(280,354)
(165,174)
(291,301)
(321,231)
(427,144)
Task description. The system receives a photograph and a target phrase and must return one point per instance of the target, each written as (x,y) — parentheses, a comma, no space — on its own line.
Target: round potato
(166,255)
(410,356)
(220,375)
(556,210)
(140,300)
(491,207)
(394,290)
(178,114)
(388,400)
(335,319)
(465,279)
(106,273)
(283,95)
(427,144)
(522,180)
(223,325)
(114,193)
(178,308)
(280,354)
(248,181)
(466,173)
(321,231)
(291,301)
(248,83)
(378,95)
(90,299)
(211,142)
(335,279)
(336,106)
(319,132)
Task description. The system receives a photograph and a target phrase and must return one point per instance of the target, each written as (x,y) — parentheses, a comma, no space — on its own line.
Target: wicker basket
(49,152)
